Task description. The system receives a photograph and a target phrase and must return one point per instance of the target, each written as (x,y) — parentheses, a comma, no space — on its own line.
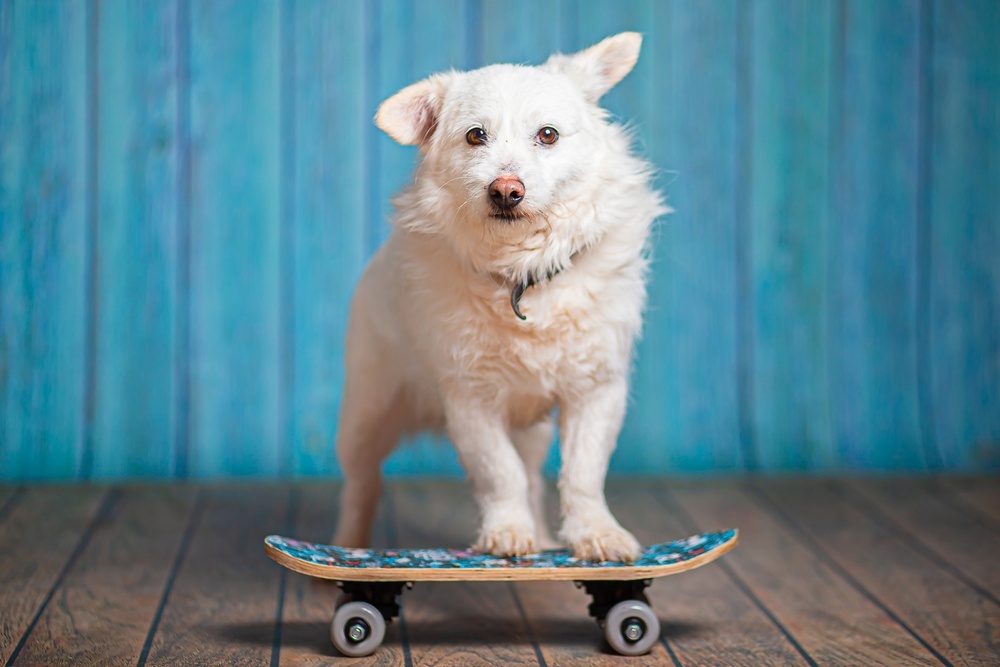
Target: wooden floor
(875,572)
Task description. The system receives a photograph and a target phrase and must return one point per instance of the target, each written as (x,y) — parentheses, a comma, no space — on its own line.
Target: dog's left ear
(600,67)
(410,116)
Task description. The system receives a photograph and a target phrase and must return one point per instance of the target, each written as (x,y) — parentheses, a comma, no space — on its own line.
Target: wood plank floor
(828,572)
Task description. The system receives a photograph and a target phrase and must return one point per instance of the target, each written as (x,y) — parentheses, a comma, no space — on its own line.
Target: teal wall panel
(45,215)
(790,232)
(873,257)
(963,235)
(189,191)
(690,416)
(235,257)
(326,122)
(136,294)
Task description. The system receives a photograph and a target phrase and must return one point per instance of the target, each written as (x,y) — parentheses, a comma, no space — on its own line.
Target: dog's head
(515,159)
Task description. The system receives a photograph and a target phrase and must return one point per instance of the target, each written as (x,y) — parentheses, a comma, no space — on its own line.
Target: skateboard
(373,579)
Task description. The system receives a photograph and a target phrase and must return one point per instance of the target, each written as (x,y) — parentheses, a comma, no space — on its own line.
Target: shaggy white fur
(433,341)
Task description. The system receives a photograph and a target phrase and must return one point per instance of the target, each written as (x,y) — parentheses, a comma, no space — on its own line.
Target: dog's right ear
(597,69)
(411,115)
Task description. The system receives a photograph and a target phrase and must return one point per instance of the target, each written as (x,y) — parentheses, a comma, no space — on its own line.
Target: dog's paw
(610,544)
(510,540)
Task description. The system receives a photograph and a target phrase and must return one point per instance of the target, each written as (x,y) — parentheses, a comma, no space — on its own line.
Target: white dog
(513,283)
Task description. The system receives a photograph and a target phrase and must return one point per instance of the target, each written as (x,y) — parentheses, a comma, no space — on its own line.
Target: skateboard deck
(373,579)
(349,564)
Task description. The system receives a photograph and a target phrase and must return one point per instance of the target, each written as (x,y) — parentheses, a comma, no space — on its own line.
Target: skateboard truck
(383,595)
(622,609)
(606,594)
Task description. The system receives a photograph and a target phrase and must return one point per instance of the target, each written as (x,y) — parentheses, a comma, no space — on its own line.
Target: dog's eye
(476,136)
(548,135)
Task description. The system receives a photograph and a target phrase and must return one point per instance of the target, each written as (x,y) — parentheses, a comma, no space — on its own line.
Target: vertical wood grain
(136,240)
(326,176)
(964,234)
(685,416)
(790,232)
(520,31)
(825,295)
(235,252)
(873,250)
(43,242)
(390,51)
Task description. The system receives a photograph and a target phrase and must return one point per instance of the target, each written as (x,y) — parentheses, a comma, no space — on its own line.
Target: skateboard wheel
(357,629)
(631,627)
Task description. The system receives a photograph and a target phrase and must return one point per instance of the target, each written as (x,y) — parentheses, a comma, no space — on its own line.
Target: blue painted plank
(325,178)
(685,413)
(964,234)
(873,263)
(134,430)
(445,36)
(520,31)
(789,224)
(43,243)
(235,241)
(390,51)
(869,339)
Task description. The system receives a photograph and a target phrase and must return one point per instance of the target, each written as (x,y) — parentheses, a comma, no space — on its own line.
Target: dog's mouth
(505,214)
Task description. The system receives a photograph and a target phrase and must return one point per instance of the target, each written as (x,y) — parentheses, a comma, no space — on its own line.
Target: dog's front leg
(589,426)
(498,476)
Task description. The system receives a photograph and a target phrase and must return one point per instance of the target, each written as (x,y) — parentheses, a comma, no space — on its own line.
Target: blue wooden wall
(189,190)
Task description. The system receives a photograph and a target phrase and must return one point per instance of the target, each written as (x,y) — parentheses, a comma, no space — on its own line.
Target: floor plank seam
(772,508)
(182,550)
(287,529)
(884,521)
(527,624)
(109,499)
(670,651)
(670,503)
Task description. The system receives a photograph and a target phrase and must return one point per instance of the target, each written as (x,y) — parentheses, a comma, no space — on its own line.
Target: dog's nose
(507,191)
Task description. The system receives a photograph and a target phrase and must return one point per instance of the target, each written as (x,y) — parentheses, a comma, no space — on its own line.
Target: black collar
(518,290)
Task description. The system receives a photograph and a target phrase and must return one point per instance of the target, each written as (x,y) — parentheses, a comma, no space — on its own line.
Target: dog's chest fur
(462,334)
